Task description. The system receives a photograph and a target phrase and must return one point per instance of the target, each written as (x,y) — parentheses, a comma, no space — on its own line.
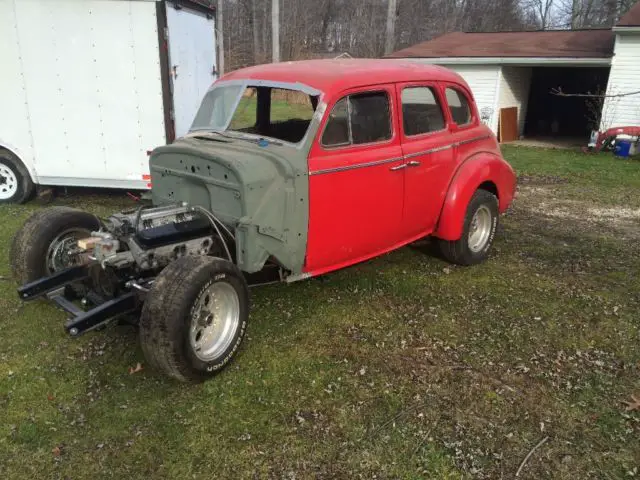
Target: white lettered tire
(479,230)
(194,318)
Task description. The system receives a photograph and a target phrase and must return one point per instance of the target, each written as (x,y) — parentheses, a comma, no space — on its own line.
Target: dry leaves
(634,404)
(137,369)
(56,451)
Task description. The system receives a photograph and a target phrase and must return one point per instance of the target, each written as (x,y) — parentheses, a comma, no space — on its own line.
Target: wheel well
(15,158)
(489,187)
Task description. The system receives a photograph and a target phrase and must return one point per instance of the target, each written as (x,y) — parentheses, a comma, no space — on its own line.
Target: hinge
(172,114)
(166,33)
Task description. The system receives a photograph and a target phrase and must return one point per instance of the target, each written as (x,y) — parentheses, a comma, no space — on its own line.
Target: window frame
(437,93)
(373,89)
(467,96)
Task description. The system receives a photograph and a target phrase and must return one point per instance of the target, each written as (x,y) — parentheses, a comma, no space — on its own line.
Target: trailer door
(192,62)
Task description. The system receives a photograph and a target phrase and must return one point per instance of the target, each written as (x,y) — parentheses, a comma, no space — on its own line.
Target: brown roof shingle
(632,18)
(547,44)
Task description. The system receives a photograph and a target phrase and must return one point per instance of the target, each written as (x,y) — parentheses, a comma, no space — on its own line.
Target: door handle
(398,167)
(413,163)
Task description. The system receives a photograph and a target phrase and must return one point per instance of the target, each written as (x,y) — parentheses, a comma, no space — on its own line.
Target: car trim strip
(427,152)
(396,159)
(359,165)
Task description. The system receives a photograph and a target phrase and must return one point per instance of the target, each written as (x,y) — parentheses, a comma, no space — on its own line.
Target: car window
(357,119)
(459,106)
(290,114)
(421,111)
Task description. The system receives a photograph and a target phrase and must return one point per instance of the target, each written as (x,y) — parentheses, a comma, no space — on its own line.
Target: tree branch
(559,93)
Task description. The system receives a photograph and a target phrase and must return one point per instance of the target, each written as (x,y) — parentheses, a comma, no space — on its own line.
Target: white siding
(624,77)
(484,81)
(514,91)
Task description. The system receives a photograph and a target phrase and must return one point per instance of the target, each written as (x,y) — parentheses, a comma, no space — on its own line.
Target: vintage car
(289,171)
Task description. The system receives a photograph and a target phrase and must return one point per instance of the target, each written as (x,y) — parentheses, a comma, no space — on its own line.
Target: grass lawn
(402,367)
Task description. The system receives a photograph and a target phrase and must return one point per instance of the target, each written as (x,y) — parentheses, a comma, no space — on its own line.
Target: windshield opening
(278,113)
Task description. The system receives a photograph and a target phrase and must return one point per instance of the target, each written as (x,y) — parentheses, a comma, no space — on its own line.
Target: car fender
(480,168)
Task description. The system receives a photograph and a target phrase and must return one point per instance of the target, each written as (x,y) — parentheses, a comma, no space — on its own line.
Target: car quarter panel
(481,166)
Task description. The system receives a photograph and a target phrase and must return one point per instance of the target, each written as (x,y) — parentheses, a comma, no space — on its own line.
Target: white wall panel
(15,129)
(192,51)
(514,91)
(624,78)
(93,87)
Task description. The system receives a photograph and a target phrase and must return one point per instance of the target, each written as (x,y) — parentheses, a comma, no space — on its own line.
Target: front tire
(480,224)
(40,247)
(194,318)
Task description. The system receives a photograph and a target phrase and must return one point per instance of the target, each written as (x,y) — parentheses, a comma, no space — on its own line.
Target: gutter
(623,30)
(541,61)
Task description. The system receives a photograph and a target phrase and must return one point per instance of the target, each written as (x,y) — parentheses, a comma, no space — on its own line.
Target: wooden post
(275,30)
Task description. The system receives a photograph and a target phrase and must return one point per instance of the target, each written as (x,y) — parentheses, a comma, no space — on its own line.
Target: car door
(355,180)
(427,147)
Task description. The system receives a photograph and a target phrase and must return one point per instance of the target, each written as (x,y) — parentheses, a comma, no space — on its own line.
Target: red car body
(365,200)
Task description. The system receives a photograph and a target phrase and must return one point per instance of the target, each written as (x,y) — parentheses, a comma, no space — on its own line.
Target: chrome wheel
(62,252)
(215,319)
(480,229)
(8,182)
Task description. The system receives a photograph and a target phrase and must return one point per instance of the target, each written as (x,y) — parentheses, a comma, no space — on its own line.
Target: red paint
(337,75)
(614,132)
(357,210)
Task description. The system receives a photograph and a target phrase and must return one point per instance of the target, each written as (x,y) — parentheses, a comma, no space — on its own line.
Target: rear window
(459,106)
(358,119)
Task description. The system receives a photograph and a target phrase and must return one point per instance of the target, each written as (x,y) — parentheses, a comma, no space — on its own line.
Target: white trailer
(88,87)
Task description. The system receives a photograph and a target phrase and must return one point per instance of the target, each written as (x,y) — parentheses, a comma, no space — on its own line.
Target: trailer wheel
(194,318)
(480,224)
(16,185)
(41,246)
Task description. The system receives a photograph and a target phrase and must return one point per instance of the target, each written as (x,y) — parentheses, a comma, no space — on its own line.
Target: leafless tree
(542,11)
(328,28)
(593,13)
(275,30)
(392,13)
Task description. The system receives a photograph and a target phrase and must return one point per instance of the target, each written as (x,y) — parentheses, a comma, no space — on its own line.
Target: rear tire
(16,185)
(34,250)
(194,318)
(480,224)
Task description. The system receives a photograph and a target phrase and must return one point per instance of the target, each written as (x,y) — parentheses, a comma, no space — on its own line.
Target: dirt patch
(582,214)
(541,180)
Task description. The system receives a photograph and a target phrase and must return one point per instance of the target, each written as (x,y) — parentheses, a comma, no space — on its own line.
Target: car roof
(330,76)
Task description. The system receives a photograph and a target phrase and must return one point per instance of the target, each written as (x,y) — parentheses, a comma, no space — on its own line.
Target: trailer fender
(483,170)
(26,160)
